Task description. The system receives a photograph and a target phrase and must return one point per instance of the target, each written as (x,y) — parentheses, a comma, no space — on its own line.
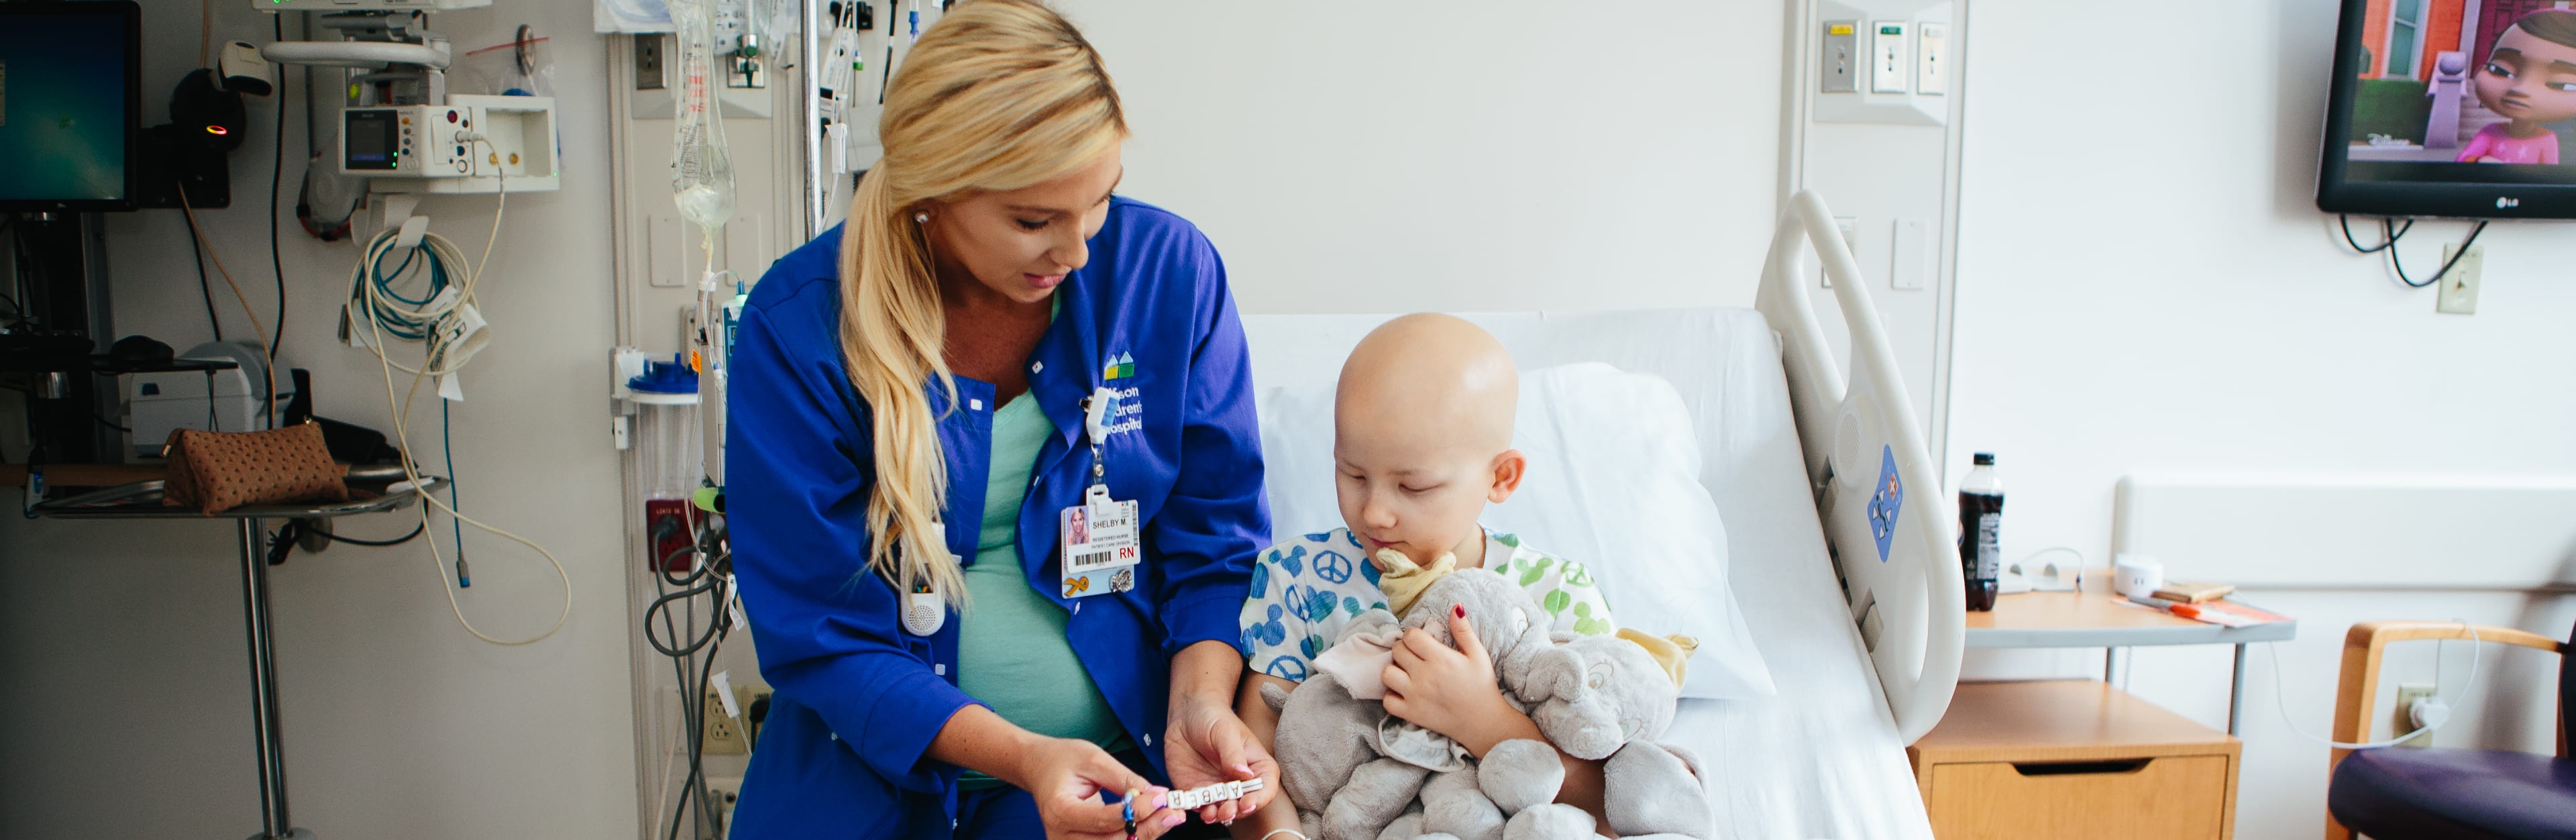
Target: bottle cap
(1985,459)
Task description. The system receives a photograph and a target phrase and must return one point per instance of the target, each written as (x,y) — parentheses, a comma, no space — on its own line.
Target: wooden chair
(2402,794)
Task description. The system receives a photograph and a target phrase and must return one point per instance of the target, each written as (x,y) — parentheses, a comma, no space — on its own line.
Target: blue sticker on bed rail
(1886,501)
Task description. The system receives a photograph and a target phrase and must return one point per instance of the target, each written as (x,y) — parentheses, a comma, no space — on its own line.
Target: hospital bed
(1863,651)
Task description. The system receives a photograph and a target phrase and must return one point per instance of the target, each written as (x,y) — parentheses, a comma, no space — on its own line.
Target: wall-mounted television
(2452,108)
(69,105)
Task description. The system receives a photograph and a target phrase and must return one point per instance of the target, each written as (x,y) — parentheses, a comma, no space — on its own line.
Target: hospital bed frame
(1907,597)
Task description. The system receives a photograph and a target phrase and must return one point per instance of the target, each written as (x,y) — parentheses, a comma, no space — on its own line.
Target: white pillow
(1612,483)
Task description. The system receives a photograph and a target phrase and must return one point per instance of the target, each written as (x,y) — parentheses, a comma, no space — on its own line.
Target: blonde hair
(997,95)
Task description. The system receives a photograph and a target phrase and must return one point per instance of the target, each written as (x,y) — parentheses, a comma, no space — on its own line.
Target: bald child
(1422,434)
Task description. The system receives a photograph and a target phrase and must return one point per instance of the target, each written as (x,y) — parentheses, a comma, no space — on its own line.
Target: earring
(921,218)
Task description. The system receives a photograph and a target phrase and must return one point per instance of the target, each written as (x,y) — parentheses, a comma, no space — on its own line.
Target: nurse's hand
(1067,778)
(1208,744)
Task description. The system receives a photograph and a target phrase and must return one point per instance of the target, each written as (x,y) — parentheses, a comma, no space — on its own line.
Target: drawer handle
(2080,768)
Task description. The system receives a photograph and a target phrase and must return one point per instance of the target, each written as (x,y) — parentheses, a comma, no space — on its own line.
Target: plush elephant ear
(1375,623)
(1554,674)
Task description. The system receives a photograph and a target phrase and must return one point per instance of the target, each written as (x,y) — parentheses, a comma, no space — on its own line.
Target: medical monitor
(69,105)
(2459,108)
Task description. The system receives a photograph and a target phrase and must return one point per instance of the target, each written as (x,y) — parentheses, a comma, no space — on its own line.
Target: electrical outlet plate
(723,734)
(648,62)
(2404,721)
(2459,288)
(722,793)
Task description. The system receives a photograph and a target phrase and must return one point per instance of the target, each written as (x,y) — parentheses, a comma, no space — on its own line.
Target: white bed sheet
(1821,758)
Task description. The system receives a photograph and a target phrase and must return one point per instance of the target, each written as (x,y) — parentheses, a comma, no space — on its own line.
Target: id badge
(1099,546)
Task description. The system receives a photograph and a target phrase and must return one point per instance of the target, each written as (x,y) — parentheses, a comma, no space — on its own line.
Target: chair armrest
(2357,685)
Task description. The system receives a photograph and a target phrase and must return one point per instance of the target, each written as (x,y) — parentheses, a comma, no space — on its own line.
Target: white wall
(2145,284)
(128,687)
(1508,155)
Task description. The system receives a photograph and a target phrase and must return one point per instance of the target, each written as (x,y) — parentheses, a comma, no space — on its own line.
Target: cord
(2470,685)
(402,436)
(255,327)
(447,447)
(416,531)
(2394,263)
(205,288)
(2390,232)
(276,177)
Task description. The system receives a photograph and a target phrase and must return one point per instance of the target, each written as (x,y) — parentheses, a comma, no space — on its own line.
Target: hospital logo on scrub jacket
(1119,368)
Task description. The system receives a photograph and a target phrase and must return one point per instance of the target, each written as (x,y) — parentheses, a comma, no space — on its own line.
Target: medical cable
(276,178)
(402,436)
(447,448)
(205,287)
(2466,686)
(256,328)
(708,572)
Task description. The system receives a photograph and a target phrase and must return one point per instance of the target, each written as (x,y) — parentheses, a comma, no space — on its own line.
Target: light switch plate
(1891,63)
(1932,59)
(1839,72)
(1910,257)
(2459,288)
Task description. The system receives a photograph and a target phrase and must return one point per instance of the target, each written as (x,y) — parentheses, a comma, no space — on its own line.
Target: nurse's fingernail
(1160,800)
(1175,819)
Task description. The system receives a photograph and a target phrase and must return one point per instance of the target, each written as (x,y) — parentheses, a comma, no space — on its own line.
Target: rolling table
(142,500)
(2094,618)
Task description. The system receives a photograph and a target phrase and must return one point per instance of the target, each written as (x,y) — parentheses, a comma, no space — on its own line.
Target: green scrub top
(1011,648)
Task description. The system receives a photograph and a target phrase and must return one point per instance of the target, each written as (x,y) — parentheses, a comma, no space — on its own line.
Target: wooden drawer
(2072,758)
(2176,797)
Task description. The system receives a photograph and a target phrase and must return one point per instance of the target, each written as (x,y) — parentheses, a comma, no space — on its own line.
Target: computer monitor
(70,104)
(2458,108)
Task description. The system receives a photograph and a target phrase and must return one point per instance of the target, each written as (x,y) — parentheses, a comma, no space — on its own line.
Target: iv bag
(701,168)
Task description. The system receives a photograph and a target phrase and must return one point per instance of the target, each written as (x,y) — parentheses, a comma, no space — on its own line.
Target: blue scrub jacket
(858,698)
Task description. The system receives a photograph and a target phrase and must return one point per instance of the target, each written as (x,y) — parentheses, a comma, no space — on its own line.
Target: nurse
(993,366)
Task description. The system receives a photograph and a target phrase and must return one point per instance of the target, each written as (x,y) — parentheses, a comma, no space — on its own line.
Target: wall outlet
(648,62)
(722,793)
(2404,722)
(725,735)
(2459,288)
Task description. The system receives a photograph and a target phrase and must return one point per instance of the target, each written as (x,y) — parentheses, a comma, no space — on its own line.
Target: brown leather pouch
(219,471)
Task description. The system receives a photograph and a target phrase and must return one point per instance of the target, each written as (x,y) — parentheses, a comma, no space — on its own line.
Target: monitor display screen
(2453,108)
(68,105)
(370,139)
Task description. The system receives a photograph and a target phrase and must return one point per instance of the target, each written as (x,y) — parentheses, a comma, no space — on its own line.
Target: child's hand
(1450,690)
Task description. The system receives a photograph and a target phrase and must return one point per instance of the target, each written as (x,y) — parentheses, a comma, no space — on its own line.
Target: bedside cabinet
(2073,758)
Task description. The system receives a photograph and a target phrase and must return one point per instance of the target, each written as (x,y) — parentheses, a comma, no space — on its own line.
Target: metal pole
(2110,665)
(263,683)
(2236,688)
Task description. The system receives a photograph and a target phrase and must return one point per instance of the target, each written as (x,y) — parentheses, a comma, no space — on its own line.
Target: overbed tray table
(142,500)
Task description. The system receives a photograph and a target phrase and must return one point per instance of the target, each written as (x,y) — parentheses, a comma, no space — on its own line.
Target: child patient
(1422,430)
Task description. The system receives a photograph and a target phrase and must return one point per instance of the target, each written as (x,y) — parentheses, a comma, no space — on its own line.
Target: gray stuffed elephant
(1603,697)
(1356,773)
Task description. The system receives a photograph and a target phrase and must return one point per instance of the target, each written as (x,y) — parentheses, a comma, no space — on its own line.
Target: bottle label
(1989,545)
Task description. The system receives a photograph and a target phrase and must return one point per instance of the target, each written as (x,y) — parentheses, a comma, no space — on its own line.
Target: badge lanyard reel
(923,610)
(1098,547)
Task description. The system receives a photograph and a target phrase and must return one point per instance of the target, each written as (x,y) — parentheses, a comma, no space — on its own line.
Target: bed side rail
(1891,531)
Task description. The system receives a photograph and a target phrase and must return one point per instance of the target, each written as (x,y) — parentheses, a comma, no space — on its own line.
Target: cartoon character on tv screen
(2529,79)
